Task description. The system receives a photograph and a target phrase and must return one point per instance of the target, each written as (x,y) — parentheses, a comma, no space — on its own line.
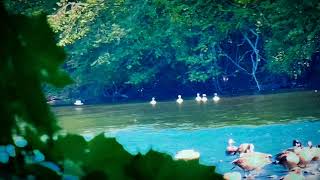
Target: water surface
(271,122)
(244,110)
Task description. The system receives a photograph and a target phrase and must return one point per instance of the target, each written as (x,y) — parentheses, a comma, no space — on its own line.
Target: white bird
(198,98)
(179,100)
(231,149)
(216,98)
(153,101)
(78,103)
(204,98)
(187,154)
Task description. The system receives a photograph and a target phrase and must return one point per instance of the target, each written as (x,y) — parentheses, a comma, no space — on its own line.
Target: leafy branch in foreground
(29,57)
(71,156)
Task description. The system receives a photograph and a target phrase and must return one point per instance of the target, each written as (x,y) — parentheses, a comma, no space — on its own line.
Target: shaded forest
(120,50)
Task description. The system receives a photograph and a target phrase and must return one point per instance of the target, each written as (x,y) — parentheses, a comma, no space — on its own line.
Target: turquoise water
(211,142)
(270,122)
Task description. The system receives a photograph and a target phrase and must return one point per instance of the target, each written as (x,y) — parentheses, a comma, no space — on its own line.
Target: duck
(252,161)
(294,173)
(204,98)
(198,98)
(52,100)
(78,102)
(245,148)
(187,154)
(297,146)
(215,98)
(231,149)
(288,159)
(296,143)
(179,100)
(297,156)
(306,155)
(316,151)
(289,156)
(153,101)
(232,176)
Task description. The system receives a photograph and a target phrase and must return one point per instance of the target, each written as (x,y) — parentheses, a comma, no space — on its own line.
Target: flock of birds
(216,98)
(153,101)
(198,98)
(297,159)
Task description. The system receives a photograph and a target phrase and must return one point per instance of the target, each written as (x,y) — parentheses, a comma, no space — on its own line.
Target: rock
(188,154)
(232,176)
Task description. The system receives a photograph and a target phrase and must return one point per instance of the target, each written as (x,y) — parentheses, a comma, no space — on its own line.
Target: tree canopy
(119,46)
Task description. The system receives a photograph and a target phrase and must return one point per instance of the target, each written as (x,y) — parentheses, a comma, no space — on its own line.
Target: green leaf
(108,156)
(70,147)
(155,165)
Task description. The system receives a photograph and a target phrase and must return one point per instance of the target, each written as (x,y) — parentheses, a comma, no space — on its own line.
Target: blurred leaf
(155,165)
(29,58)
(39,172)
(108,156)
(70,147)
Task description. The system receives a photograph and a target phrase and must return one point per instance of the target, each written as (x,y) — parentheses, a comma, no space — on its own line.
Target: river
(270,122)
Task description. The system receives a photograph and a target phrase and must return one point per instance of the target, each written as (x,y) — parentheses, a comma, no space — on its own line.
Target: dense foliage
(24,66)
(30,145)
(150,47)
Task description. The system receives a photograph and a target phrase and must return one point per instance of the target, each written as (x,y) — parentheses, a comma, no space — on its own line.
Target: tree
(242,55)
(23,71)
(294,36)
(187,41)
